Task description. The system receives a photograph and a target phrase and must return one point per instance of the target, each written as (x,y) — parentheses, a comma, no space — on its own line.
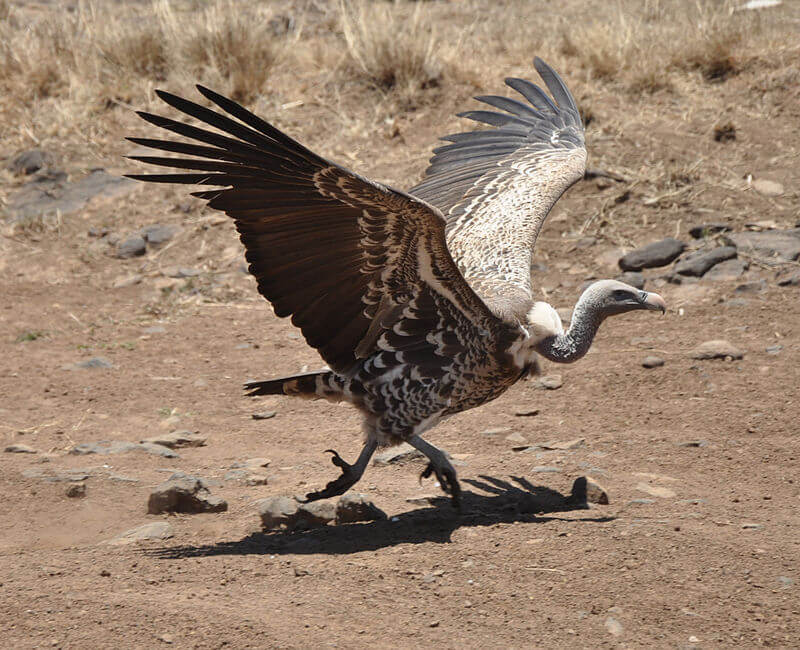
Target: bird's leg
(350,473)
(441,467)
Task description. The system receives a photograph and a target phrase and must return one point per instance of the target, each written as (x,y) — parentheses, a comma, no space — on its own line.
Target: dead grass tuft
(391,48)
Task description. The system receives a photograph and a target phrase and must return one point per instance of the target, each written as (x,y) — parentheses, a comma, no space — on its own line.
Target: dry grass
(393,49)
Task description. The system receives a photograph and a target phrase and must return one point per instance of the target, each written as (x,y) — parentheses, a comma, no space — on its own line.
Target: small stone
(767,187)
(516,437)
(652,362)
(716,349)
(187,494)
(76,490)
(526,413)
(357,507)
(264,415)
(659,253)
(19,448)
(104,447)
(165,638)
(790,279)
(424,500)
(725,132)
(178,439)
(785,581)
(564,445)
(770,245)
(495,431)
(698,264)
(158,234)
(752,526)
(180,272)
(727,271)
(131,247)
(773,350)
(252,463)
(708,229)
(641,502)
(156,530)
(755,286)
(90,364)
(655,490)
(613,626)
(399,454)
(545,469)
(550,382)
(587,490)
(693,443)
(28,162)
(633,278)
(694,639)
(127,281)
(276,512)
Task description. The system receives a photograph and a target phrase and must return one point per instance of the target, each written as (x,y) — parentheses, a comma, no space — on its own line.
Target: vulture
(420,302)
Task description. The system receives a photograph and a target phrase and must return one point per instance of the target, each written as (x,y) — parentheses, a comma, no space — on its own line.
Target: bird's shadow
(506,502)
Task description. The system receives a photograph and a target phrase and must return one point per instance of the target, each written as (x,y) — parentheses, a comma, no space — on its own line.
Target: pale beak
(653,301)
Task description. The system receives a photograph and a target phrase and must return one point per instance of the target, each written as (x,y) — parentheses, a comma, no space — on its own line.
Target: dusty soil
(697,548)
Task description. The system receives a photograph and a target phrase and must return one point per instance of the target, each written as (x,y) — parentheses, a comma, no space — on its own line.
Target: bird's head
(610,297)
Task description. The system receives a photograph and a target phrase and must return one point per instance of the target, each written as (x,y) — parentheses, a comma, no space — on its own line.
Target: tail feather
(305,384)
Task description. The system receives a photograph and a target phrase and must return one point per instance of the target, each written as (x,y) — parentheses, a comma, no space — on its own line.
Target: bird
(420,302)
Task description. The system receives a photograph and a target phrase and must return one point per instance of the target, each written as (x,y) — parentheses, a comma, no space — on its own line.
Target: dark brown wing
(341,255)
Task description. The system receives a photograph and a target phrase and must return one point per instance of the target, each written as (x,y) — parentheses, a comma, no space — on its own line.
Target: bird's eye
(620,294)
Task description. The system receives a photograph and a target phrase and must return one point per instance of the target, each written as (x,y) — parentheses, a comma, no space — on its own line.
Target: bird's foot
(446,475)
(338,486)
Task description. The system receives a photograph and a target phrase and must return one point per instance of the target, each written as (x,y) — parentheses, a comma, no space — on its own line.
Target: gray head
(610,297)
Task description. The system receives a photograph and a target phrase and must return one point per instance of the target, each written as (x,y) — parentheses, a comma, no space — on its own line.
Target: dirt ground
(698,547)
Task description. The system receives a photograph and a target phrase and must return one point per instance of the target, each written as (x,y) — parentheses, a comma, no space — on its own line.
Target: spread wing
(346,258)
(495,187)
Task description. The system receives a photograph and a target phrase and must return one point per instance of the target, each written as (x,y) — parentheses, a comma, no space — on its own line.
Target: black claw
(339,485)
(448,482)
(338,460)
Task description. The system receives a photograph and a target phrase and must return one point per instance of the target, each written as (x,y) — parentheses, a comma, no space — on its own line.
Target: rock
(659,253)
(76,490)
(545,469)
(26,163)
(587,490)
(264,415)
(526,413)
(399,454)
(752,526)
(770,245)
(613,626)
(52,194)
(699,263)
(252,463)
(187,494)
(69,475)
(549,382)
(127,281)
(767,187)
(633,278)
(247,476)
(177,440)
(354,507)
(773,350)
(652,362)
(756,286)
(283,511)
(708,229)
(104,447)
(180,272)
(564,445)
(727,271)
(94,362)
(717,349)
(156,530)
(133,246)
(159,234)
(495,431)
(693,443)
(655,490)
(790,279)
(516,437)
(19,448)
(725,132)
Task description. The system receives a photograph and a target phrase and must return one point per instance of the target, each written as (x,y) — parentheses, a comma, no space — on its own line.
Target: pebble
(18,448)
(545,469)
(708,229)
(641,502)
(716,349)
(399,454)
(693,443)
(68,475)
(264,415)
(27,162)
(353,507)
(127,281)
(613,626)
(700,262)
(755,286)
(516,437)
(133,246)
(773,350)
(633,278)
(550,382)
(767,187)
(252,463)
(790,279)
(284,511)
(104,447)
(652,362)
(772,245)
(155,530)
(727,271)
(587,490)
(180,272)
(76,490)
(655,490)
(526,413)
(177,439)
(187,494)
(659,253)
(752,526)
(90,364)
(158,234)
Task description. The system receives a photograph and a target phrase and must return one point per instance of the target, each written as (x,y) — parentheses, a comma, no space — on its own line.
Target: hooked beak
(653,301)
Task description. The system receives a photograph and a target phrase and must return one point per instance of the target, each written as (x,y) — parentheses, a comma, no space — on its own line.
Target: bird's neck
(576,341)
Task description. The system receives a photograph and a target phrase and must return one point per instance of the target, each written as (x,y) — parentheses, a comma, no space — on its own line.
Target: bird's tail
(318,383)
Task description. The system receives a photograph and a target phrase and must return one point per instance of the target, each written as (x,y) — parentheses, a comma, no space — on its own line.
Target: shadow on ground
(507,502)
